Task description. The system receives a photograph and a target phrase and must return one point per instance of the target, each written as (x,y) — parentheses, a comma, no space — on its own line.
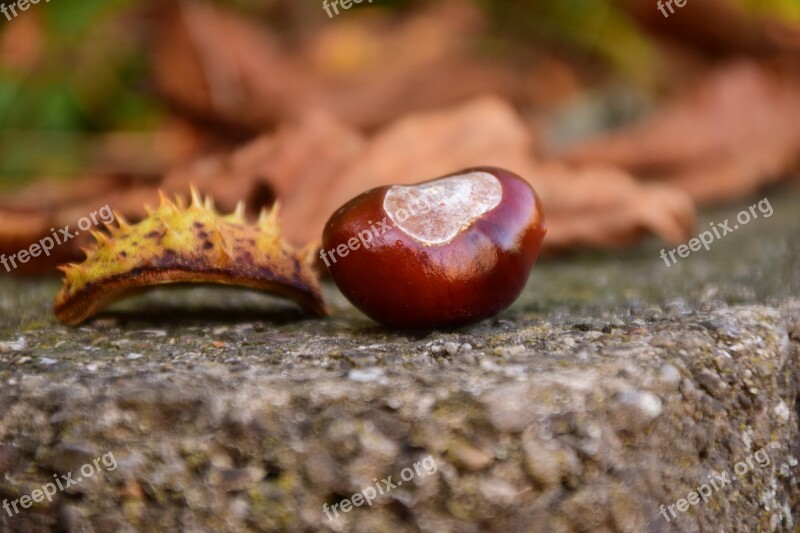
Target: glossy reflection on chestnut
(446,252)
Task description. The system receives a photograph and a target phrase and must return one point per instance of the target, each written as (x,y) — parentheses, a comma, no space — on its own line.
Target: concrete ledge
(586,426)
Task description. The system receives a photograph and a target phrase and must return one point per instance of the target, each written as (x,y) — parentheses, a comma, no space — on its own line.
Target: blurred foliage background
(71,72)
(80,76)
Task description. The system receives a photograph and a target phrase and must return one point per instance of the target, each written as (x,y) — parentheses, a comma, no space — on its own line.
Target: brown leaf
(604,207)
(365,70)
(737,132)
(592,206)
(215,66)
(734,31)
(316,164)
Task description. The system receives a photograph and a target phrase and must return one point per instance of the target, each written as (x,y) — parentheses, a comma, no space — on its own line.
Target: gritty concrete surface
(613,386)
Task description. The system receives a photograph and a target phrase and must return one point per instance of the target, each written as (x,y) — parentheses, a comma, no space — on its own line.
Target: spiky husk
(194,244)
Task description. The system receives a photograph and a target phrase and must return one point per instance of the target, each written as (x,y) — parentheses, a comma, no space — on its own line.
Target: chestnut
(446,252)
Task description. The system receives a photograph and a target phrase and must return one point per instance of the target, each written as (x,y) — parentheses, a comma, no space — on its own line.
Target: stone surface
(615,385)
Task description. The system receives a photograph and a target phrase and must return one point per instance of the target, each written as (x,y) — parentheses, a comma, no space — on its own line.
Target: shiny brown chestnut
(446,252)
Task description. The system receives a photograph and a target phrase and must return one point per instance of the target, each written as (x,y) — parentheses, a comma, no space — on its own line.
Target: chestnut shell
(404,283)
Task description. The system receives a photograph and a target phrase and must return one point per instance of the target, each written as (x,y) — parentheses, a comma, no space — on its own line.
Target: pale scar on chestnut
(188,244)
(451,205)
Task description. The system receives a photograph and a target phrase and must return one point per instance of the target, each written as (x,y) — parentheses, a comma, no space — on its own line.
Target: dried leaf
(592,206)
(739,131)
(735,30)
(604,207)
(365,70)
(316,164)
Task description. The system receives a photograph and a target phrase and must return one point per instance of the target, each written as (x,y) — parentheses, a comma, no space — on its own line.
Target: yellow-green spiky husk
(180,244)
